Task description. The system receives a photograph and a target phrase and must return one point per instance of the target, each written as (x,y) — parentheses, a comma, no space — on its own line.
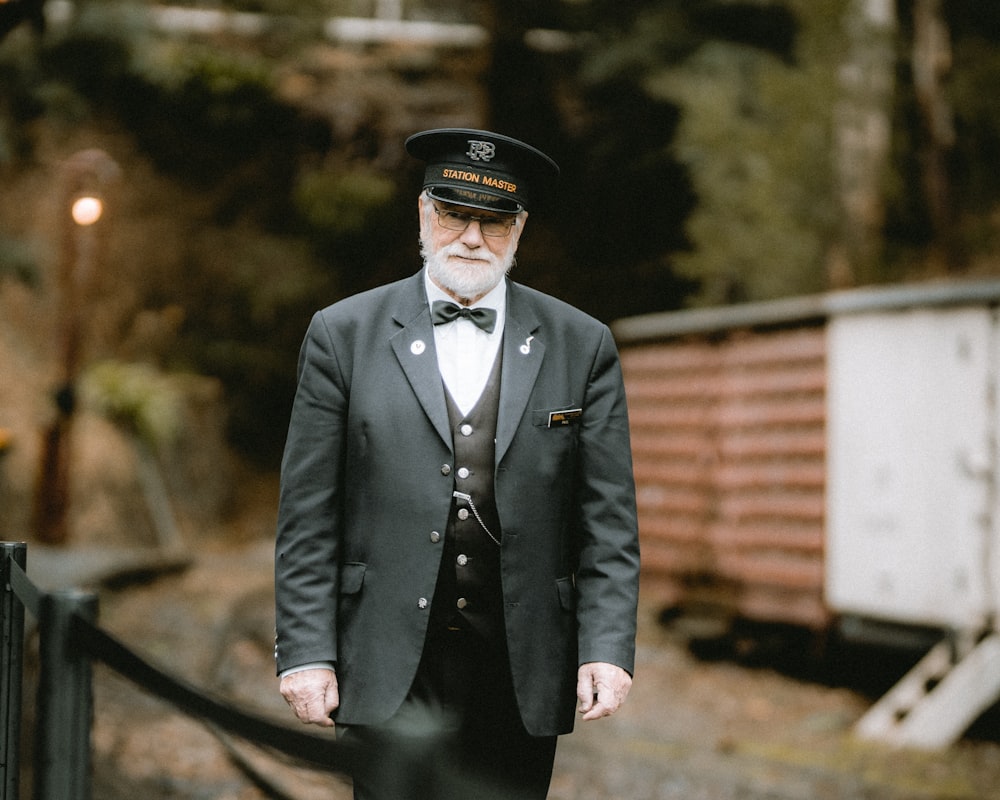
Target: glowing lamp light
(87,210)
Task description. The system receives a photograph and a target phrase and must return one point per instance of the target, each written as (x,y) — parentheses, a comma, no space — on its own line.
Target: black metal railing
(417,762)
(69,642)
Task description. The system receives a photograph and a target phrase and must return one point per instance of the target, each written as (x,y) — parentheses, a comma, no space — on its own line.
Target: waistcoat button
(463,472)
(463,513)
(462,602)
(466,429)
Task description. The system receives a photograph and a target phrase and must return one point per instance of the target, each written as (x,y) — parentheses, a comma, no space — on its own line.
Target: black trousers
(458,735)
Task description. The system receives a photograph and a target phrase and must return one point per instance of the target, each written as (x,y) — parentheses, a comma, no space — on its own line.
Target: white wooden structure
(913,530)
(833,459)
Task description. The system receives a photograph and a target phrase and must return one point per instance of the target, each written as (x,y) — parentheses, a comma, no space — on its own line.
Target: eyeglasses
(489,226)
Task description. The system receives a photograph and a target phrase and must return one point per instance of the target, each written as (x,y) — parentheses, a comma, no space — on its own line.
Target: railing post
(11,666)
(65,700)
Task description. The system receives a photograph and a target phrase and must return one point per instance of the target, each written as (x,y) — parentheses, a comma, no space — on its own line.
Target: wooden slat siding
(791,608)
(672,448)
(772,425)
(729,447)
(770,504)
(789,537)
(778,570)
(732,477)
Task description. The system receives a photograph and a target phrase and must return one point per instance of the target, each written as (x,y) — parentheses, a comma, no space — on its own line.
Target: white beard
(466,280)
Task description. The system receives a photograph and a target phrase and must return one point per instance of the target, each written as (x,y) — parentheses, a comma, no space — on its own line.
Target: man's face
(465,263)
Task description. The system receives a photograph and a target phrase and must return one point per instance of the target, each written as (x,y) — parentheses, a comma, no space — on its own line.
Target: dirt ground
(728,723)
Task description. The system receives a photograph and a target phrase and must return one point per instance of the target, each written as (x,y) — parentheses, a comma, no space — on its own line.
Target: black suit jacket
(367,487)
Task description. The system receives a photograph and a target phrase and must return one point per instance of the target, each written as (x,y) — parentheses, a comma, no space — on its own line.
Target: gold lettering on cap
(461,175)
(496,183)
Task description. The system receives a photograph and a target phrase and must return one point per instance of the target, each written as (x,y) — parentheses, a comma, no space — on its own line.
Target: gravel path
(693,728)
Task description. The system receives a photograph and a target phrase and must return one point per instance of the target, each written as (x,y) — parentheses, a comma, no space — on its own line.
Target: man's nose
(473,234)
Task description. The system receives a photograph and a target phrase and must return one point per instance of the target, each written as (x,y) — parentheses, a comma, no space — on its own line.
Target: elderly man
(457,543)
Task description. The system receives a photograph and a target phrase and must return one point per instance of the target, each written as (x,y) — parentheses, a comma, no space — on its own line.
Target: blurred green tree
(825,143)
(742,144)
(712,151)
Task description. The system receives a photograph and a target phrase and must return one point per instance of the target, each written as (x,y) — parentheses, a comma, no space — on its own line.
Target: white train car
(830,461)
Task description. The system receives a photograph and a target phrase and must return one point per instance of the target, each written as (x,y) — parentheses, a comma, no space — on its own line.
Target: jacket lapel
(522,359)
(413,345)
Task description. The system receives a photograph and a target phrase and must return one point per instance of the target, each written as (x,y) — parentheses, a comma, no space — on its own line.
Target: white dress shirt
(465,352)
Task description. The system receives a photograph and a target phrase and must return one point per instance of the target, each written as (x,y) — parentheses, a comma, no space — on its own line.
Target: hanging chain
(475,512)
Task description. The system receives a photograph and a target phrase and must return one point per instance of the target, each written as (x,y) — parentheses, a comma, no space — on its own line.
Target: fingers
(585,689)
(312,694)
(601,689)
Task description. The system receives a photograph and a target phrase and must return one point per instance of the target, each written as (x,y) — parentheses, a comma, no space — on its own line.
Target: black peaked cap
(482,169)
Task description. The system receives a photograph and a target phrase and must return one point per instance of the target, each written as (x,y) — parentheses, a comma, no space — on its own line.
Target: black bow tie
(484,318)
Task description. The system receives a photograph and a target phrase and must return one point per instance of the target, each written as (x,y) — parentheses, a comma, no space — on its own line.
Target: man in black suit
(457,543)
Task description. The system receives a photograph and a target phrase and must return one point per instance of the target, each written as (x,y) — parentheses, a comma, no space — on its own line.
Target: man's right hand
(312,694)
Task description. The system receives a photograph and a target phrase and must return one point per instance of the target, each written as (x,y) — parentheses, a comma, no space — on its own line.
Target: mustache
(460,250)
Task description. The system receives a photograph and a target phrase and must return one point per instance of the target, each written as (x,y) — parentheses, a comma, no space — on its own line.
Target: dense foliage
(698,140)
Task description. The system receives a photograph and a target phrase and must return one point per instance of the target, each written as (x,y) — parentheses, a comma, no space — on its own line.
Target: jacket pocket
(567,593)
(557,417)
(352,577)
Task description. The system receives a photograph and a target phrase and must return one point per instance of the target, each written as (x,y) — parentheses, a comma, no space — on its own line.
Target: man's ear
(421,216)
(522,220)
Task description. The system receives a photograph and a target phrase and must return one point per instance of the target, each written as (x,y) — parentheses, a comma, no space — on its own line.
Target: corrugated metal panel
(729,448)
(672,421)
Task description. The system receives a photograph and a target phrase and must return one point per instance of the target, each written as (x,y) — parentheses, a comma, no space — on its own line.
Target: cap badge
(481,151)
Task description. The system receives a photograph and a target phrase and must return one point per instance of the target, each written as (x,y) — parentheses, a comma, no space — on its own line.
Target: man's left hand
(601,688)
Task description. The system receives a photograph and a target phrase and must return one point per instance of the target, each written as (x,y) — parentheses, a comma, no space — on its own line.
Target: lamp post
(86,179)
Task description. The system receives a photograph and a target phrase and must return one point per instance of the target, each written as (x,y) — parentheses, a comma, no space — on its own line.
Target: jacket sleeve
(310,507)
(607,578)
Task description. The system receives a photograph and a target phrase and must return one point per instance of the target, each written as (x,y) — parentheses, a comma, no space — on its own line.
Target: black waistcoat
(469,593)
